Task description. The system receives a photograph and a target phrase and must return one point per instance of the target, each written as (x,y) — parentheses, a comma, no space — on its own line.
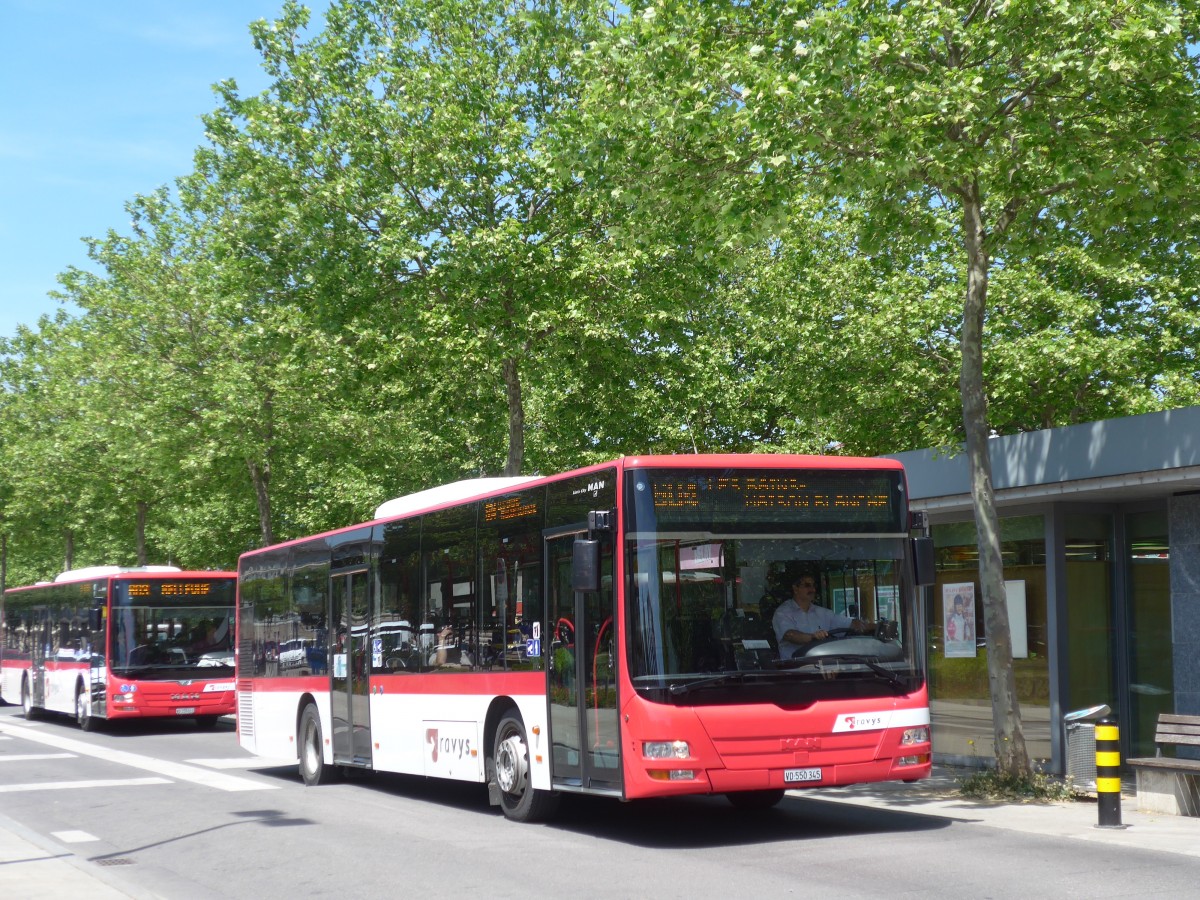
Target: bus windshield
(172,629)
(713,556)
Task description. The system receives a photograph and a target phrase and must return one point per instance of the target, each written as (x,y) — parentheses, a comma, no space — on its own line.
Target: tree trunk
(260,477)
(69,552)
(516,419)
(1011,755)
(141,532)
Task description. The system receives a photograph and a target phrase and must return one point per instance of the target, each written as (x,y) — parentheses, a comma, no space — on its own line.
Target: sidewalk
(938,796)
(32,868)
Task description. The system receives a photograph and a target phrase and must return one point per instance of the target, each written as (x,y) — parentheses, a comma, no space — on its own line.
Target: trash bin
(1080,746)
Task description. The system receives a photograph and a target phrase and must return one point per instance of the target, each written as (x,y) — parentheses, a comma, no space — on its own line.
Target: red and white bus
(605,631)
(121,643)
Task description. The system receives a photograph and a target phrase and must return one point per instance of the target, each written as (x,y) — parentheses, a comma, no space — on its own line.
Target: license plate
(791,776)
(191,711)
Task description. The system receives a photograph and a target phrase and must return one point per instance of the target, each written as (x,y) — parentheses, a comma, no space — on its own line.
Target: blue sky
(102,101)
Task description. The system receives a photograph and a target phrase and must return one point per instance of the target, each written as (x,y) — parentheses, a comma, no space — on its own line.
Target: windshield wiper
(870,662)
(685,687)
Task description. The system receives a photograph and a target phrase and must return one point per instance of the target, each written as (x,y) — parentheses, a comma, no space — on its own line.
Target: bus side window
(448,548)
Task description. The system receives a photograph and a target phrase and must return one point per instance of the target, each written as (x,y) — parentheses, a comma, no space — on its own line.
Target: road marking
(26,757)
(242,762)
(71,785)
(73,837)
(174,770)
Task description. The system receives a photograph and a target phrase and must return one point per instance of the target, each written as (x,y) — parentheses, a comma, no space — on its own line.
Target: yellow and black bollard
(1108,773)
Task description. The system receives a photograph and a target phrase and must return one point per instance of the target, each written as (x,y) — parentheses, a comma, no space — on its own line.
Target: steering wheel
(838,632)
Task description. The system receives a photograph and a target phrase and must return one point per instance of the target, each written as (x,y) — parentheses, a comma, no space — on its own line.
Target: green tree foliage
(408,145)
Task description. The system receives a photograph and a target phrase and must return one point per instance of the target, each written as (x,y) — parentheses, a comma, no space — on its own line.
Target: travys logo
(860,721)
(452,747)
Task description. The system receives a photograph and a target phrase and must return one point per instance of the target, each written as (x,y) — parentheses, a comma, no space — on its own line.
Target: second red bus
(112,643)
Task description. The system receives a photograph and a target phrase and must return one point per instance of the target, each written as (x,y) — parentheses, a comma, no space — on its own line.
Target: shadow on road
(676,823)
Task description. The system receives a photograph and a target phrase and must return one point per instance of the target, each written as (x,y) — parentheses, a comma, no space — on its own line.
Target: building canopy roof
(1114,460)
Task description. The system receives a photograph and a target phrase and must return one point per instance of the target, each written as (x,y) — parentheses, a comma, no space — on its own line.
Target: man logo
(805,743)
(431,738)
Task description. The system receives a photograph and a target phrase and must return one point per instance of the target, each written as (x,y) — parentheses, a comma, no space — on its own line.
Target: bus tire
(765,799)
(27,707)
(83,709)
(312,749)
(510,765)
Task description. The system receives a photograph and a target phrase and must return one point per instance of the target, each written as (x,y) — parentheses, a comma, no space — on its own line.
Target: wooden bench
(1164,784)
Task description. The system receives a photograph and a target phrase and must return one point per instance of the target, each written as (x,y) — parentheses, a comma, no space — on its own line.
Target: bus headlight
(666,750)
(915,735)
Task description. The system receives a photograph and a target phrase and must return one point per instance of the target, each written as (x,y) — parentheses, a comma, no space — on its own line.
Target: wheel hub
(511,771)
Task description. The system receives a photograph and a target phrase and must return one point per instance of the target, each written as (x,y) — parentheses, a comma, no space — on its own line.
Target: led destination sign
(170,588)
(169,593)
(839,500)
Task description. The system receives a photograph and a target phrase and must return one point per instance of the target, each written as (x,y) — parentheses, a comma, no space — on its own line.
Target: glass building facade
(1100,536)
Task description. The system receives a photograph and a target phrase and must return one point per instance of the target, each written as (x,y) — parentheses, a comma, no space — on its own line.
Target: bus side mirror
(95,618)
(924,561)
(585,565)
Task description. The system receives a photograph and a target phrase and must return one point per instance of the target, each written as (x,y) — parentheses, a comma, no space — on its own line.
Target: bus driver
(799,621)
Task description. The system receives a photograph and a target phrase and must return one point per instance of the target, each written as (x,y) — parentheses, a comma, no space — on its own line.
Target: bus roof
(96,573)
(446,494)
(90,572)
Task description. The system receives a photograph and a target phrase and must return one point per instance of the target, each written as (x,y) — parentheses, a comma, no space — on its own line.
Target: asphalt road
(169,811)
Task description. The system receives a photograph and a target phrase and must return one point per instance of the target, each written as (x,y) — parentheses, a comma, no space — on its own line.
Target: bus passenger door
(582,674)
(349,701)
(39,645)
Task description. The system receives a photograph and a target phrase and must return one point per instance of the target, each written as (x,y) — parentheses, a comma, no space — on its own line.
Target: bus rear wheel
(510,765)
(312,749)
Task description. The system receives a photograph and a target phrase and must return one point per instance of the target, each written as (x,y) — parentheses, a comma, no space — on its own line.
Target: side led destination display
(507,508)
(783,500)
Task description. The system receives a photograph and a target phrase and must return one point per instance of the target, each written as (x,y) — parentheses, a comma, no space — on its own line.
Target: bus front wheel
(83,709)
(312,756)
(27,706)
(510,763)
